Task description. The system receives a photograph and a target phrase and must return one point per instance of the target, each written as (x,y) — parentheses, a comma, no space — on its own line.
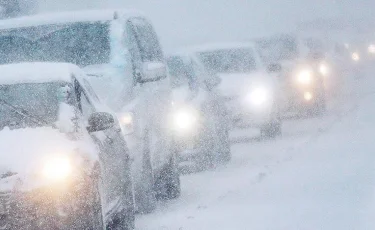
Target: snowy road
(320,175)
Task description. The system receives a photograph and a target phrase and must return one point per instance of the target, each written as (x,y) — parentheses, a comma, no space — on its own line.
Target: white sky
(185,22)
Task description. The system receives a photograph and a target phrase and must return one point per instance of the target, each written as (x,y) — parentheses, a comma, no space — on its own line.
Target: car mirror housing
(100,121)
(152,71)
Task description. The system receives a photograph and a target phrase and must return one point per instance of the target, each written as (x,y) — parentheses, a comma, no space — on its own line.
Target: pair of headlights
(306,76)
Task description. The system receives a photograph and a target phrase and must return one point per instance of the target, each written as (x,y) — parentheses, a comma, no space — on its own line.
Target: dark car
(200,119)
(64,163)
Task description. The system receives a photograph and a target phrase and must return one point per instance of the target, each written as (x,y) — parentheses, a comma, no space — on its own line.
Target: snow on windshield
(238,60)
(79,43)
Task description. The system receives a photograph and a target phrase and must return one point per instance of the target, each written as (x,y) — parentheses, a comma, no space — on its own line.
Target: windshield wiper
(25,113)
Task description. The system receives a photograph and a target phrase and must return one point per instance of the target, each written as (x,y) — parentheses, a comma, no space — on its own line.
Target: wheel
(224,151)
(271,130)
(145,198)
(168,185)
(319,107)
(97,221)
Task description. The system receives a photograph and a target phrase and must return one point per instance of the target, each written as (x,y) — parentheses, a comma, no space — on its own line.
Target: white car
(250,90)
(200,117)
(120,51)
(64,163)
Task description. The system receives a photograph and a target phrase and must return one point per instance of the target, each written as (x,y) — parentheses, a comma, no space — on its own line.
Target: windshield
(278,49)
(29,105)
(80,43)
(239,60)
(181,71)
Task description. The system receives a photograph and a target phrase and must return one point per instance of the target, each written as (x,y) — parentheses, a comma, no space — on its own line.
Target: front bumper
(45,208)
(297,100)
(245,115)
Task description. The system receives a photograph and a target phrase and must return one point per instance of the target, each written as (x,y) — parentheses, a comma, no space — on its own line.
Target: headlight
(323,69)
(371,49)
(304,77)
(127,123)
(57,168)
(184,119)
(258,96)
(355,56)
(307,96)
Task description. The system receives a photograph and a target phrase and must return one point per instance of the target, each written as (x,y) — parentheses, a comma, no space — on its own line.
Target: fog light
(308,96)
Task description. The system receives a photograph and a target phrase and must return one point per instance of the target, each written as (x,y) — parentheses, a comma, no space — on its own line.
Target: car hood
(183,95)
(23,151)
(237,84)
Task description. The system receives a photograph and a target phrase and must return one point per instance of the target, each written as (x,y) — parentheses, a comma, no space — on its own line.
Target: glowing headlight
(355,56)
(304,77)
(126,119)
(57,168)
(258,96)
(371,49)
(323,69)
(307,96)
(184,119)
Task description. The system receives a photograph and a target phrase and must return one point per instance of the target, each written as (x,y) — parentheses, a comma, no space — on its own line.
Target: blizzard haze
(187,22)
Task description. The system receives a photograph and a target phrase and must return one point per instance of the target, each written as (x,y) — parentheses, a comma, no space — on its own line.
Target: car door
(114,157)
(153,98)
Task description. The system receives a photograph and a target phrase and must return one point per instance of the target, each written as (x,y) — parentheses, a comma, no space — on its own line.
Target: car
(303,87)
(249,89)
(306,73)
(121,54)
(199,118)
(64,163)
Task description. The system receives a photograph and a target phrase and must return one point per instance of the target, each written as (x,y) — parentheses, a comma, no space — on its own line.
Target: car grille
(4,209)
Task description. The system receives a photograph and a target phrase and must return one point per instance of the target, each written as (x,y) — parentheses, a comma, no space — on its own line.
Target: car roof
(213,47)
(38,72)
(68,17)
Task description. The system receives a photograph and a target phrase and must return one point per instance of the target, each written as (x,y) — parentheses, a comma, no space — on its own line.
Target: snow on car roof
(37,72)
(67,17)
(215,46)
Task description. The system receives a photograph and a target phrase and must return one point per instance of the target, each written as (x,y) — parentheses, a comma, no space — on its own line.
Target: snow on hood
(23,151)
(235,84)
(184,95)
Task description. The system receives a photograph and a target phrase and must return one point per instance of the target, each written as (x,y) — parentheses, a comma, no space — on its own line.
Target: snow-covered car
(199,116)
(120,52)
(249,89)
(306,71)
(304,91)
(64,163)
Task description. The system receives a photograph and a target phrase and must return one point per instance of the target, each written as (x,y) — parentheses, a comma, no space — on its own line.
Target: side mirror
(212,82)
(100,121)
(153,71)
(274,68)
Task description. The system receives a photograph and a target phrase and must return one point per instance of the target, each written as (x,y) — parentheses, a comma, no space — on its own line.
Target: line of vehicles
(96,121)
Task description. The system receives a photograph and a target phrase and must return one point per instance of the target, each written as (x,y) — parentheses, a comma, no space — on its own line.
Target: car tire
(271,130)
(224,150)
(97,210)
(168,185)
(145,197)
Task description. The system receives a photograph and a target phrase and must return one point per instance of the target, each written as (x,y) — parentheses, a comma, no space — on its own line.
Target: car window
(90,90)
(84,103)
(147,40)
(134,50)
